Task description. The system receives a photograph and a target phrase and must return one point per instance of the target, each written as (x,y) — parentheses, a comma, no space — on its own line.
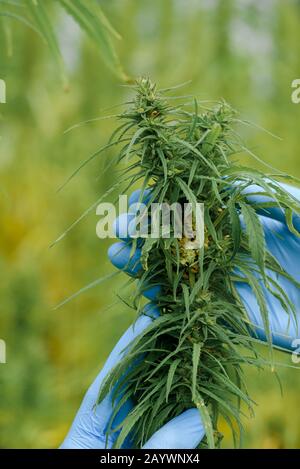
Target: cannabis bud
(194,352)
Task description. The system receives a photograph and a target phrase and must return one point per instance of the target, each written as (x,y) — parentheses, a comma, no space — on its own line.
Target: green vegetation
(88,15)
(194,353)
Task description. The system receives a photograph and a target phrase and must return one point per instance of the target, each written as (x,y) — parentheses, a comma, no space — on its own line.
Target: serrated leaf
(289,221)
(146,248)
(206,420)
(186,296)
(211,138)
(235,226)
(196,359)
(255,234)
(170,378)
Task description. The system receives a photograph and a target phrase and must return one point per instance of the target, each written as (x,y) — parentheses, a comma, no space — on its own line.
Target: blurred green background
(246,51)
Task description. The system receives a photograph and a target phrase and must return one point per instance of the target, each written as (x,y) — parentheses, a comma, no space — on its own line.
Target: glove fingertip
(182,432)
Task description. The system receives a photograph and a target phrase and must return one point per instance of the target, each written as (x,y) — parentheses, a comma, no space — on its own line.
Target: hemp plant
(193,354)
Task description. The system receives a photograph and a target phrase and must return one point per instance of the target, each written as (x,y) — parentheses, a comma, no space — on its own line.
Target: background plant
(88,14)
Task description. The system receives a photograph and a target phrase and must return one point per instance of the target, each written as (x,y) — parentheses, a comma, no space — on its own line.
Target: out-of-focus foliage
(245,51)
(88,15)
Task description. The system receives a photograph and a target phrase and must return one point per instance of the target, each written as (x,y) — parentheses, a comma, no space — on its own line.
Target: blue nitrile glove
(88,428)
(186,430)
(284,245)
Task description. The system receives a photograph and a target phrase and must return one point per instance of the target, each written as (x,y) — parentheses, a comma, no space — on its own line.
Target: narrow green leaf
(93,284)
(235,226)
(206,420)
(170,378)
(255,233)
(39,14)
(289,220)
(196,359)
(186,296)
(97,29)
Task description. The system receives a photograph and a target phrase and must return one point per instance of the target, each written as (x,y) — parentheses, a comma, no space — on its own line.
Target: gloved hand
(284,246)
(186,430)
(88,428)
